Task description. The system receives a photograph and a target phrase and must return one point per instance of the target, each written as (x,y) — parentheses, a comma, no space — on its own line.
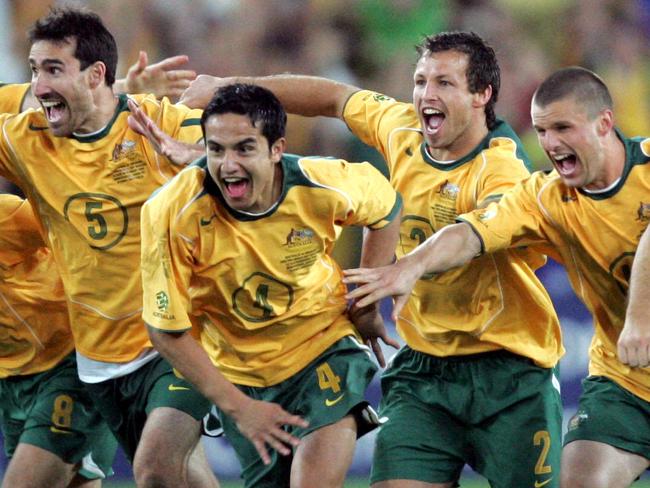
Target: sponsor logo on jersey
(162,301)
(378,97)
(567,197)
(334,401)
(299,237)
(539,484)
(487,214)
(643,213)
(205,221)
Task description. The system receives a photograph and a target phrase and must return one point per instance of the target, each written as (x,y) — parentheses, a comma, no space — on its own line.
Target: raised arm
(634,341)
(452,246)
(163,79)
(261,422)
(302,95)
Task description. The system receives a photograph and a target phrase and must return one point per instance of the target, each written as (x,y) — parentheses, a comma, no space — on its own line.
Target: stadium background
(369,43)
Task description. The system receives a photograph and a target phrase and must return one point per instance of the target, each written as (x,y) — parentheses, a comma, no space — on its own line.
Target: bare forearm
(448,248)
(189,358)
(639,292)
(379,245)
(303,95)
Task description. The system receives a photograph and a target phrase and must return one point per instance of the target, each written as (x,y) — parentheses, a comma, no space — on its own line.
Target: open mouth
(433,119)
(236,187)
(565,163)
(54,110)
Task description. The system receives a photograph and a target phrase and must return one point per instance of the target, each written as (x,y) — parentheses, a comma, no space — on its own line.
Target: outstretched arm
(378,250)
(634,341)
(261,422)
(452,246)
(163,79)
(179,153)
(302,95)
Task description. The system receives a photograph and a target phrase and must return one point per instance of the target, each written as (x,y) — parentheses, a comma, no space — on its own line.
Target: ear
(96,74)
(277,149)
(605,122)
(482,98)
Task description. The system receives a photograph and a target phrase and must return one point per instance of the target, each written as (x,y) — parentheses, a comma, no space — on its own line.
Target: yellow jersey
(12,96)
(494,302)
(595,236)
(262,289)
(34,330)
(87,191)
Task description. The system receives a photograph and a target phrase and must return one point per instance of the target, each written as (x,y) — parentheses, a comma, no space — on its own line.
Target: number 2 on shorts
(542,437)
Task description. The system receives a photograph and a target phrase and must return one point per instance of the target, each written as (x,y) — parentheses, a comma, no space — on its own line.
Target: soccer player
(239,246)
(477,381)
(53,435)
(589,214)
(162,79)
(86,175)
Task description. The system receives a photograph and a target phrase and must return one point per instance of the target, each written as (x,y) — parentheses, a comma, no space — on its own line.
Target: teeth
(431,111)
(562,157)
(232,179)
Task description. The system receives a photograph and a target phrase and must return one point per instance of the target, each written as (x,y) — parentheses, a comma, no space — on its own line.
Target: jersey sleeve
(368,199)
(165,270)
(502,171)
(20,233)
(516,220)
(372,116)
(12,96)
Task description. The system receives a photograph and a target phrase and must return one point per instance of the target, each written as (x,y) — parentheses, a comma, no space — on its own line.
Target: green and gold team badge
(162,301)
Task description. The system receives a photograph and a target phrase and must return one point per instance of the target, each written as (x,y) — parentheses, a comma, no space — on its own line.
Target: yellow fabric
(34,330)
(11,97)
(263,291)
(594,237)
(87,193)
(494,302)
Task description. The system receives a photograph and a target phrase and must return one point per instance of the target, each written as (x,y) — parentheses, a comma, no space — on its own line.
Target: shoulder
(179,192)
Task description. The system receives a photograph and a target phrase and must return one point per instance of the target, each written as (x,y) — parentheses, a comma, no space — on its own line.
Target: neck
(463,144)
(613,163)
(103,107)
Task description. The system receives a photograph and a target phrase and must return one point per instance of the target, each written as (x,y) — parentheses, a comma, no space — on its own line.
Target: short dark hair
(93,41)
(584,86)
(482,69)
(257,103)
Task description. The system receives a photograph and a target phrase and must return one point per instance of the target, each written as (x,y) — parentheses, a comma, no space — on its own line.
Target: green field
(466,482)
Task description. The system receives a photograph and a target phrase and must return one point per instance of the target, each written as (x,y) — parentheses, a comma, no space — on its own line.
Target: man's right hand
(262,423)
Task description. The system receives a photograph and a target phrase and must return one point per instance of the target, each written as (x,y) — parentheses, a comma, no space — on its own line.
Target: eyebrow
(47,61)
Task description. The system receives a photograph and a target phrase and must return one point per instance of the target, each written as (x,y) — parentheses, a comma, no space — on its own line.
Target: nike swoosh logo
(329,403)
(176,388)
(59,431)
(205,221)
(539,484)
(37,127)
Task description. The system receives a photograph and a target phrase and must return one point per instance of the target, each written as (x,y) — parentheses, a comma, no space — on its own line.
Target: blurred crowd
(370,43)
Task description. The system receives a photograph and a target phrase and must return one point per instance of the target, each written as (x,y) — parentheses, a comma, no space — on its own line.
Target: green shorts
(127,401)
(496,411)
(612,415)
(329,388)
(52,410)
